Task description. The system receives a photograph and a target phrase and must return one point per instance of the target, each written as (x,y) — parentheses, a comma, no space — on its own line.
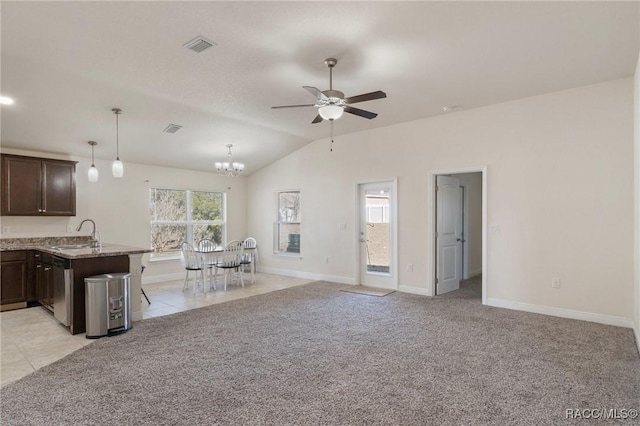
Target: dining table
(209,258)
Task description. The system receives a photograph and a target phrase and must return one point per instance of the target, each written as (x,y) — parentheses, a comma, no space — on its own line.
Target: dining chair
(231,261)
(250,257)
(206,248)
(192,262)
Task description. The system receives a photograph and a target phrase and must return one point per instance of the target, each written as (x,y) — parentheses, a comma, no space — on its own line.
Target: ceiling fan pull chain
(331,135)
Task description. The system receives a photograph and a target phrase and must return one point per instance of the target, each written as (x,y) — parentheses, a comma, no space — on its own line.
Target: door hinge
(436,281)
(437,188)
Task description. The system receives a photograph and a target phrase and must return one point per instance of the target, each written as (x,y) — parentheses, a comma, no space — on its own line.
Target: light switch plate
(69,228)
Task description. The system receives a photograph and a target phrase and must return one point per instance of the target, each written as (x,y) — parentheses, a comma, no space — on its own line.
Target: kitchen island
(54,270)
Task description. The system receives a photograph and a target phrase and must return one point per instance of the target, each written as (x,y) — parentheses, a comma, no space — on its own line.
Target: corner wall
(560,179)
(636,204)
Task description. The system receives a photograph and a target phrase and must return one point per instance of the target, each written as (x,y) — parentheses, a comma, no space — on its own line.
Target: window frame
(188,222)
(279,222)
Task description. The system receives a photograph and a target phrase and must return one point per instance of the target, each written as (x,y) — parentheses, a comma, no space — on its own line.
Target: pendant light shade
(117,168)
(93,170)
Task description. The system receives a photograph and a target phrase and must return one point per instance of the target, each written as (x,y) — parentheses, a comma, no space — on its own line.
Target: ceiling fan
(332,103)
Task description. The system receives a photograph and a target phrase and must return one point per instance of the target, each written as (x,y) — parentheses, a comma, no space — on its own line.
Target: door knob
(458,239)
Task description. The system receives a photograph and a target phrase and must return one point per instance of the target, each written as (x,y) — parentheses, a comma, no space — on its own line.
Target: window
(184,215)
(286,233)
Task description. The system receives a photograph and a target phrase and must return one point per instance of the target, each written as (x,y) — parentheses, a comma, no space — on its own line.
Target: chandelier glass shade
(229,167)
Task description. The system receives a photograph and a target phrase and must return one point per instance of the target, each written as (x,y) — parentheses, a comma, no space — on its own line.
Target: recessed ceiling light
(449,108)
(4,100)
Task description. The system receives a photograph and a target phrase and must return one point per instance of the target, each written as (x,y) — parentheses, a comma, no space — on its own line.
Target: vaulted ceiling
(67,64)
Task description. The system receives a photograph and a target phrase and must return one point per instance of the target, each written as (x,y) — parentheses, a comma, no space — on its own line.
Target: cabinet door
(13,275)
(21,186)
(45,285)
(59,188)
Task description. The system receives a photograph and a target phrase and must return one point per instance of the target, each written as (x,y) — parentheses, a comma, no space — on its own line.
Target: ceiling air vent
(172,128)
(199,44)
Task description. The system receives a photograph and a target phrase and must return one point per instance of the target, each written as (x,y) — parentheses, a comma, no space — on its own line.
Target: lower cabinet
(13,277)
(45,281)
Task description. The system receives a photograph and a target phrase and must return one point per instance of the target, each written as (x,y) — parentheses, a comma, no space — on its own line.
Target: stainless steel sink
(70,246)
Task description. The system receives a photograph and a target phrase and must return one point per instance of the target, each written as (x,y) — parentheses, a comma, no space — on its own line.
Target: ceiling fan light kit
(332,104)
(331,112)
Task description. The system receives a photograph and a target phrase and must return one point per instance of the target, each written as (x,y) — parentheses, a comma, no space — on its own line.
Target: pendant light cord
(117,137)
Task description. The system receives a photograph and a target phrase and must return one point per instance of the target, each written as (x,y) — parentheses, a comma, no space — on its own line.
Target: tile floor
(31,338)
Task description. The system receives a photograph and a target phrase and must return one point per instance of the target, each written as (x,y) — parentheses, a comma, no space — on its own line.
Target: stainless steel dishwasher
(63,280)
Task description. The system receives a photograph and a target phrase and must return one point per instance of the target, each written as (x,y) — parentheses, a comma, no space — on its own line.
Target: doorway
(377,234)
(459,228)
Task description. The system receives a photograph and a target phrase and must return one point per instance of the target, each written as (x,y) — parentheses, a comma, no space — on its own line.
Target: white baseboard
(414,290)
(474,272)
(307,275)
(153,279)
(563,313)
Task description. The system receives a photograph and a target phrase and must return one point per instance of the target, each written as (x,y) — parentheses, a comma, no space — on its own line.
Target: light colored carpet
(369,291)
(316,355)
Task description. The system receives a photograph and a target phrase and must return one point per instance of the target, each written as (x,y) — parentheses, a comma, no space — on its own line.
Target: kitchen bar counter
(83,262)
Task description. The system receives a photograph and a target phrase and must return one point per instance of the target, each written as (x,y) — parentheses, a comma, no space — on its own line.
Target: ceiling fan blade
(360,112)
(316,92)
(366,97)
(292,106)
(317,119)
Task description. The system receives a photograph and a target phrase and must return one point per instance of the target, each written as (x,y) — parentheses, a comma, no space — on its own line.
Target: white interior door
(376,237)
(448,234)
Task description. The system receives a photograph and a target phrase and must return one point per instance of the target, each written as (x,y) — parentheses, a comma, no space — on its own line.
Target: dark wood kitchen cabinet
(45,281)
(13,278)
(34,186)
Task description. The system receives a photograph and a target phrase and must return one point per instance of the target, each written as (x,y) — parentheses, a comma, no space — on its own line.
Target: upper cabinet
(38,186)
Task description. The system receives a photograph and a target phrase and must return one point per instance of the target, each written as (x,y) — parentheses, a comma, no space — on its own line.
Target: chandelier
(229,168)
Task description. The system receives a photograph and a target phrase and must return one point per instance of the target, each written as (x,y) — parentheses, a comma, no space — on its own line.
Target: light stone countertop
(46,245)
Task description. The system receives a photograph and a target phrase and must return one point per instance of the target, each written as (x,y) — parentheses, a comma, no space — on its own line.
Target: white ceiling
(68,63)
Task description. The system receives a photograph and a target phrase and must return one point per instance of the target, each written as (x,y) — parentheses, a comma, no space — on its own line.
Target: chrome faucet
(95,242)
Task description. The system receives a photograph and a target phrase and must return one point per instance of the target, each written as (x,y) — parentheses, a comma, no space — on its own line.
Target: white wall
(560,179)
(636,204)
(120,207)
(472,183)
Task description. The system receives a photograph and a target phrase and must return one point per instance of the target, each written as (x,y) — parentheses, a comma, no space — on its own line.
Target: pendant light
(93,171)
(117,167)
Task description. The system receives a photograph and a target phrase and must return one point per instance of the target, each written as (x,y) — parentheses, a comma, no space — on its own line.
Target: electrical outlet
(6,230)
(70,228)
(342,226)
(555,282)
(410,267)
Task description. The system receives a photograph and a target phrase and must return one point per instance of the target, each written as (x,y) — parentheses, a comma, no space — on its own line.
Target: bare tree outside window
(287,227)
(184,215)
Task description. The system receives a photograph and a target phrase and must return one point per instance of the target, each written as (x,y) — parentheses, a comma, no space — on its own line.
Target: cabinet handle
(47,269)
(38,266)
(36,255)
